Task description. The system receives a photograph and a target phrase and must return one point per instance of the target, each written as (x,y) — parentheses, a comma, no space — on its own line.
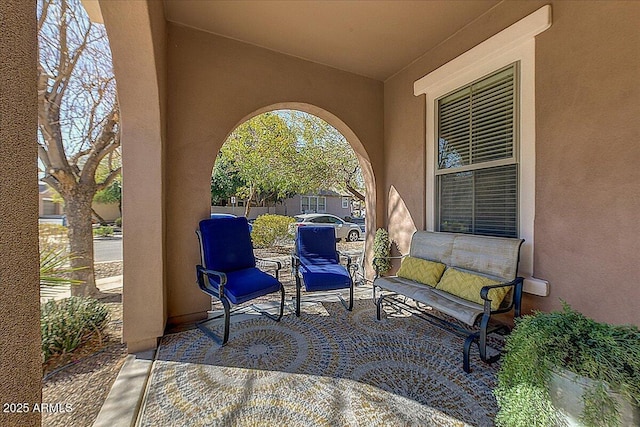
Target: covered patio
(189,72)
(327,367)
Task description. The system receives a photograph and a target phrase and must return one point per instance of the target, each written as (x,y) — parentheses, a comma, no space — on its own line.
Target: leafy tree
(329,159)
(78,120)
(225,181)
(113,192)
(278,154)
(262,153)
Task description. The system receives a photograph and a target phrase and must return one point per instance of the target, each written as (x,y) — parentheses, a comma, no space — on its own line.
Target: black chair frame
(295,264)
(203,275)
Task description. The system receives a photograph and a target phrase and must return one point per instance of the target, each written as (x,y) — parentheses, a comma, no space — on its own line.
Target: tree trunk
(247,206)
(101,220)
(358,195)
(78,210)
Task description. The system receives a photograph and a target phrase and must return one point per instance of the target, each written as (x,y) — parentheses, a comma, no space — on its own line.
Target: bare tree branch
(78,119)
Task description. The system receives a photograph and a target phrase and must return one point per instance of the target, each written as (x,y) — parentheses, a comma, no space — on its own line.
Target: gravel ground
(107,269)
(80,381)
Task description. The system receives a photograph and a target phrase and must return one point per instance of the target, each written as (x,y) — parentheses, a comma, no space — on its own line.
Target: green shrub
(103,231)
(272,230)
(381,251)
(566,340)
(118,222)
(55,269)
(68,323)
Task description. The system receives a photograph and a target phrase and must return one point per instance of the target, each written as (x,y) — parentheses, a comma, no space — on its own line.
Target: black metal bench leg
(466,352)
(379,307)
(482,344)
(348,306)
(351,296)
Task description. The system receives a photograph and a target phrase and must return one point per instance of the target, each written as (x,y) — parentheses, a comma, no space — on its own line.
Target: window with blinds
(477,170)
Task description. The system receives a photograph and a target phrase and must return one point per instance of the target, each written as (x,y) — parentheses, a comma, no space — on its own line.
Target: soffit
(370,38)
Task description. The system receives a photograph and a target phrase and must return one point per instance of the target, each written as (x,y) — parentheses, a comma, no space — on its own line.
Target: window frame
(485,165)
(513,44)
(318,200)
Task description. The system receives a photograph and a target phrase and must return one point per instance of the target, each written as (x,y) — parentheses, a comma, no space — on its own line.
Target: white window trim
(515,43)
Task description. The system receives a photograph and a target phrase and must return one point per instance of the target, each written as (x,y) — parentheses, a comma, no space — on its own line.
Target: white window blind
(477,171)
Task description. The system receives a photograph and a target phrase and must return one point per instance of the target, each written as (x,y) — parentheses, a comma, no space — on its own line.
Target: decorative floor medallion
(335,370)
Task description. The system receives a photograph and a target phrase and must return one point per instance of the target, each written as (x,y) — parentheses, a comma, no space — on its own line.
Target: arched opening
(351,201)
(342,129)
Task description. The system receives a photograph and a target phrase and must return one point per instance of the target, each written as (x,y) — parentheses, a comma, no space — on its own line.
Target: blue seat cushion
(226,244)
(317,242)
(323,275)
(247,284)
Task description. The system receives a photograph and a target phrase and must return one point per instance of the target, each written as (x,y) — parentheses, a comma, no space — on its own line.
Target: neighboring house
(326,201)
(47,208)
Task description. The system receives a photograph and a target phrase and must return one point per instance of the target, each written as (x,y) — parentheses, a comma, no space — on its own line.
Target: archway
(353,140)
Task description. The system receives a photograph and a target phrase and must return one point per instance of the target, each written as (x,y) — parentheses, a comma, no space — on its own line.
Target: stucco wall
(213,85)
(587,148)
(20,358)
(137,36)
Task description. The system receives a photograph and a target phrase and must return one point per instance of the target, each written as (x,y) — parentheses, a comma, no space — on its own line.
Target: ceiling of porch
(370,38)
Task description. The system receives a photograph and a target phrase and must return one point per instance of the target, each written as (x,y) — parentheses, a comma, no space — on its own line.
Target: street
(107,249)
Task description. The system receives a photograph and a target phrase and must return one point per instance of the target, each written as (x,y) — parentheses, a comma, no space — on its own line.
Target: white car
(344,230)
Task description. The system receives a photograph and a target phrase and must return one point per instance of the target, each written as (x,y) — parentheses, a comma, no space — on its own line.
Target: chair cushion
(226,244)
(324,275)
(247,284)
(421,270)
(468,286)
(316,242)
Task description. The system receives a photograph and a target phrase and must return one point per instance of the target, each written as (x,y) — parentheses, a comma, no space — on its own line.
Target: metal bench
(494,258)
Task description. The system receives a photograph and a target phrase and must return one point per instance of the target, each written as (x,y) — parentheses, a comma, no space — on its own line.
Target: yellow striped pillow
(468,286)
(421,270)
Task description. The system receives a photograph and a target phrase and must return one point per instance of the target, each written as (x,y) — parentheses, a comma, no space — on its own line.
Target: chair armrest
(277,264)
(340,254)
(205,285)
(295,259)
(517,297)
(295,264)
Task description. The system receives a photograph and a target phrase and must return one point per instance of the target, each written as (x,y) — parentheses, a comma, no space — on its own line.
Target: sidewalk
(60,292)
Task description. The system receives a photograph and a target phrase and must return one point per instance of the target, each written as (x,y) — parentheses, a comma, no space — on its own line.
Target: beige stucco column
(20,359)
(136,35)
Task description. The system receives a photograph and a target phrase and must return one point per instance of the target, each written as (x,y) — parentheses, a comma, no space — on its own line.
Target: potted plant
(563,368)
(381,251)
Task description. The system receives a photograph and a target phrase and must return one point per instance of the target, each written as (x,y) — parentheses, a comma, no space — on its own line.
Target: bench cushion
(468,286)
(421,270)
(456,307)
(493,257)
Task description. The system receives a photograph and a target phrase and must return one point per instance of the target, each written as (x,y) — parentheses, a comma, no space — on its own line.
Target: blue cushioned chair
(228,271)
(316,262)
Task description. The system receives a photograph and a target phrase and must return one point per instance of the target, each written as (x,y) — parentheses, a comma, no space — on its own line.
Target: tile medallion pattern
(328,367)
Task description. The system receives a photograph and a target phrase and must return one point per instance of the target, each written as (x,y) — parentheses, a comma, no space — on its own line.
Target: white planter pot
(566,390)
